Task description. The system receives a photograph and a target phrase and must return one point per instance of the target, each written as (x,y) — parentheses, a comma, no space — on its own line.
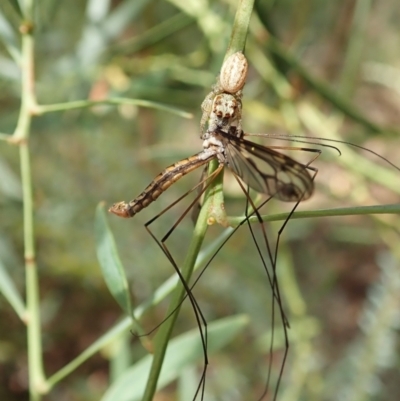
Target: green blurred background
(339,276)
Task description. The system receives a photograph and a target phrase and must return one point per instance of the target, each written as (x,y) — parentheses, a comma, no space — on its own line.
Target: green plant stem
(80,104)
(21,136)
(345,211)
(124,326)
(35,362)
(27,95)
(237,43)
(164,334)
(240,27)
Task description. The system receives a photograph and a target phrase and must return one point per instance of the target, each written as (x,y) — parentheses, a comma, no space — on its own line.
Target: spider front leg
(238,113)
(208,104)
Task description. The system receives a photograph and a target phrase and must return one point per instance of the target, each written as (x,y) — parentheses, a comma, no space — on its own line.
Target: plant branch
(21,137)
(79,104)
(345,211)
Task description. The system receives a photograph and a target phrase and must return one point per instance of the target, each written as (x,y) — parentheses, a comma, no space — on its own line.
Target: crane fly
(261,168)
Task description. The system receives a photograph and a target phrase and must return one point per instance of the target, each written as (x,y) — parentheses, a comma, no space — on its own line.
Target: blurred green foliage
(339,276)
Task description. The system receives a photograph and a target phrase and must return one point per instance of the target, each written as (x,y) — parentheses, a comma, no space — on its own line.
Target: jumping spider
(223,105)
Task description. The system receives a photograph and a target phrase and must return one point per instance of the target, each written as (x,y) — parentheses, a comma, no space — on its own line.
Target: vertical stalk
(237,43)
(35,363)
(21,138)
(240,27)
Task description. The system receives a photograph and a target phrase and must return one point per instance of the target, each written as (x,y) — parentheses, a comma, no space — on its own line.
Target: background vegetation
(326,69)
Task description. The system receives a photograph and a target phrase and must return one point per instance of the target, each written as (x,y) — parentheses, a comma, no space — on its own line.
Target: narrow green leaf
(111,266)
(182,352)
(10,292)
(9,39)
(10,184)
(15,5)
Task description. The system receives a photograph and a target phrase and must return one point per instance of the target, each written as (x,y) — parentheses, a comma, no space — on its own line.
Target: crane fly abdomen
(161,183)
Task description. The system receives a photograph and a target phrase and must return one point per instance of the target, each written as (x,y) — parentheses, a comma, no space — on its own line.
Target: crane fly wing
(268,171)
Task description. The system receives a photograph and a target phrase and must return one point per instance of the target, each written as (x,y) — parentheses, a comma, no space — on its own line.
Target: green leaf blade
(182,352)
(10,292)
(111,265)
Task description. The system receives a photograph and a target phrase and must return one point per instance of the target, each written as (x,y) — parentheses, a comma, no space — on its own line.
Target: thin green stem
(345,211)
(164,334)
(37,384)
(216,211)
(237,43)
(107,338)
(27,94)
(35,362)
(79,104)
(240,27)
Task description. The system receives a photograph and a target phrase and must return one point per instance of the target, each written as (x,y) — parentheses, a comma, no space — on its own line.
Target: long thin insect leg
(200,319)
(274,285)
(280,231)
(162,245)
(198,196)
(208,180)
(272,277)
